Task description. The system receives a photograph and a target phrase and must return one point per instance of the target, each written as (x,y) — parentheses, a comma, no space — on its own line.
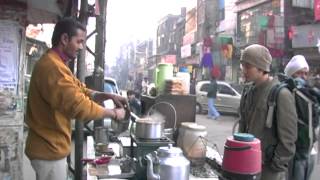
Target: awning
(46,11)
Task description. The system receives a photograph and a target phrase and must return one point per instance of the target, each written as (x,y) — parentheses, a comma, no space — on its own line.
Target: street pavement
(218,131)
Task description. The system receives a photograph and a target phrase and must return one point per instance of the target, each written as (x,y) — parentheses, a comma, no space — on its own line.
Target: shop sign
(188,38)
(191,21)
(242,5)
(303,3)
(193,60)
(317,10)
(168,59)
(306,36)
(186,51)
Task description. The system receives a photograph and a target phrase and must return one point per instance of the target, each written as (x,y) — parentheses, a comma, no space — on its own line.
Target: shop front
(305,41)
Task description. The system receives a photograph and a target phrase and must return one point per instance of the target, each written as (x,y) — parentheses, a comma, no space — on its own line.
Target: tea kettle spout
(150,172)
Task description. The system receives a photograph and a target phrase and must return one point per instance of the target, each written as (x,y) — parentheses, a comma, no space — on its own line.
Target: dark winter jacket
(277,142)
(213,88)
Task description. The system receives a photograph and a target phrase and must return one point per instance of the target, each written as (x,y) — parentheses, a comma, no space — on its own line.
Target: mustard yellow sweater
(55,97)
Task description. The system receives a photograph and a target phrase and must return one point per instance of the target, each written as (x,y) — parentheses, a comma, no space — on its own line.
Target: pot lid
(169,151)
(196,127)
(150,121)
(243,137)
(186,124)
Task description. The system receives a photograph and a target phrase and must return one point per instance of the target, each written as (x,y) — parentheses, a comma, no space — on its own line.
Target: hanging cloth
(207,60)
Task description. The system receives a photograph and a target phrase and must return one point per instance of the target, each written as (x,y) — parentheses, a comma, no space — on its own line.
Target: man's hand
(119,113)
(119,101)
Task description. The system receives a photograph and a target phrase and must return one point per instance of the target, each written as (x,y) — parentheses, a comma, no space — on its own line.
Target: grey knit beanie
(258,56)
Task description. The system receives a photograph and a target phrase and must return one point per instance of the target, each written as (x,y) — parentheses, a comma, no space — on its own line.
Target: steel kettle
(167,163)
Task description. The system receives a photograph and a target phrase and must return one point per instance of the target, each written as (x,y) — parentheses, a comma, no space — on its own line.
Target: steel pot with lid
(148,128)
(152,126)
(170,164)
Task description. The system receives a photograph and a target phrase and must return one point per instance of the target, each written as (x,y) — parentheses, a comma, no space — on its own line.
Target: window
(205,87)
(223,89)
(110,88)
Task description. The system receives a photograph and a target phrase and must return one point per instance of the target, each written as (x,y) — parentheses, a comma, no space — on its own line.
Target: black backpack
(307,105)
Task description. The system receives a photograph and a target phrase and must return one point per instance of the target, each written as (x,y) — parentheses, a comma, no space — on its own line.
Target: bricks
(14,12)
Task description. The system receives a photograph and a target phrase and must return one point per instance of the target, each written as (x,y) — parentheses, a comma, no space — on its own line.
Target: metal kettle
(167,163)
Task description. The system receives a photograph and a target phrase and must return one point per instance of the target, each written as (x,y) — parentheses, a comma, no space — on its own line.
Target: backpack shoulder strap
(272,103)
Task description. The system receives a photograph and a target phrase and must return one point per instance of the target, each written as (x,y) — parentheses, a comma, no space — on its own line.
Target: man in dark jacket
(212,95)
(277,141)
(134,103)
(304,159)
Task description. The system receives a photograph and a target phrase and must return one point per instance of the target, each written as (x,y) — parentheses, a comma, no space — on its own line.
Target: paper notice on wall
(9,56)
(10,42)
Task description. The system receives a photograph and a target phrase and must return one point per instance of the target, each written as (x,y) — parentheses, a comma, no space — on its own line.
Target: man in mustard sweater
(55,97)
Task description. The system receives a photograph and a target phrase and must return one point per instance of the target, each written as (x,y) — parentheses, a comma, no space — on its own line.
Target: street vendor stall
(114,169)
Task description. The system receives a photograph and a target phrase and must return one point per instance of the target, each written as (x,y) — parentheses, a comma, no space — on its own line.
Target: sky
(127,20)
(137,19)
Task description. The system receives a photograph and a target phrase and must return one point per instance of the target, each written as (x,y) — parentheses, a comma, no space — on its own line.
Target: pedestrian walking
(144,85)
(130,83)
(134,103)
(55,97)
(212,95)
(278,140)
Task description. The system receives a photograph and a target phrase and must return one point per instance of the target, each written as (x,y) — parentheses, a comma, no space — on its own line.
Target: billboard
(191,21)
(186,51)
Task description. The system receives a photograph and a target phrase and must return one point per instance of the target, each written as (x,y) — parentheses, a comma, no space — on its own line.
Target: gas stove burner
(161,141)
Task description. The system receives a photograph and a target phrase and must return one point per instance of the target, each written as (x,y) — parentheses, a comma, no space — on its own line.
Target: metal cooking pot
(148,128)
(101,135)
(119,126)
(153,127)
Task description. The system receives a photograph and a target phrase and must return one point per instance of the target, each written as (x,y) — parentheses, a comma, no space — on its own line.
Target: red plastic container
(242,157)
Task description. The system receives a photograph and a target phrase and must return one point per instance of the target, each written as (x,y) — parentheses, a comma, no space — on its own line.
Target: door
(202,96)
(227,100)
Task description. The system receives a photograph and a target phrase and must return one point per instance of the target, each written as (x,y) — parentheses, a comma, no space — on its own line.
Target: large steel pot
(152,127)
(148,128)
(119,126)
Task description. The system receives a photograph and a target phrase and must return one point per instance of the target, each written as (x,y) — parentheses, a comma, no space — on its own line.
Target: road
(218,131)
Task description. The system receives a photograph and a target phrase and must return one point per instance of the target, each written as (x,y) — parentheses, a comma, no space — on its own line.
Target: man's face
(74,44)
(131,96)
(250,72)
(302,73)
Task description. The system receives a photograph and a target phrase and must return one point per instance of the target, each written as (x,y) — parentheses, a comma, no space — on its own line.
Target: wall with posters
(12,45)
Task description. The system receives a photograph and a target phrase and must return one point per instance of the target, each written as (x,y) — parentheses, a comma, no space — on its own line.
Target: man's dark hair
(66,25)
(130,92)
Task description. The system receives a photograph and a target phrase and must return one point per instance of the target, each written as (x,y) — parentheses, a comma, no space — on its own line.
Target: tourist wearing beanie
(277,148)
